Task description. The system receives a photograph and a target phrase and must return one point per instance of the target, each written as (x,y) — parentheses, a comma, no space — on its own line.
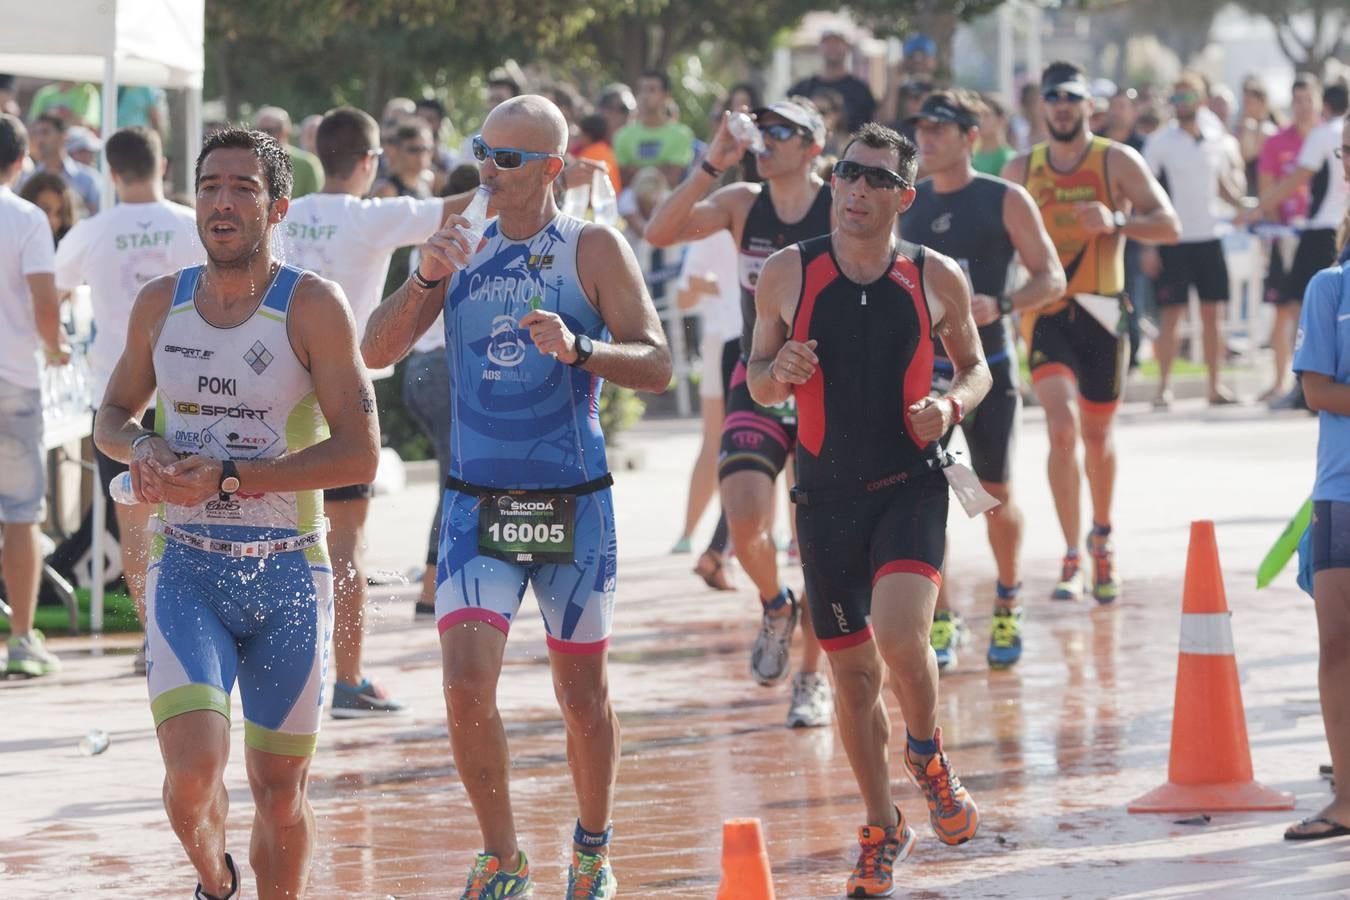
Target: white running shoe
(812,702)
(770,657)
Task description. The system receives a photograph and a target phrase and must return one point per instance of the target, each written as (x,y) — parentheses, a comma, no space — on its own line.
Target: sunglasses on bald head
(506,157)
(878,177)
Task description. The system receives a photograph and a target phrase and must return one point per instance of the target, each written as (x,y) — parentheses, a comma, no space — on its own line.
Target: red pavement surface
(1052,750)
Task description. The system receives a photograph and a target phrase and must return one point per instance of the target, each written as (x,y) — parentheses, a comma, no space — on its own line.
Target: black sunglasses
(1063,97)
(878,177)
(780,132)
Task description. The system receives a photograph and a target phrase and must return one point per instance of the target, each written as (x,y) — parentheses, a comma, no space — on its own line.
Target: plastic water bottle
(744,130)
(476,213)
(603,202)
(94,742)
(576,200)
(120,489)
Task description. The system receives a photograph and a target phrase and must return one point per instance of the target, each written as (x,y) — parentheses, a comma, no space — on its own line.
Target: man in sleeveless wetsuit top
(845,322)
(982,222)
(792,204)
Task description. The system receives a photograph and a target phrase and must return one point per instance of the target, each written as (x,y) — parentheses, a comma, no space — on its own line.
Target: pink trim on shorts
(474,614)
(756,422)
(909,567)
(577,648)
(843,642)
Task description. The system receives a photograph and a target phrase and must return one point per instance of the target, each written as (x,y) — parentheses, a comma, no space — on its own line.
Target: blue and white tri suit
(522,420)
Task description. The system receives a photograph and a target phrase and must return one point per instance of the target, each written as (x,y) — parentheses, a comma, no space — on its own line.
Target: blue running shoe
(1005,637)
(590,877)
(487,881)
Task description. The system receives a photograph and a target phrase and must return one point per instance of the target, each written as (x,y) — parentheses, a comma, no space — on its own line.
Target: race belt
(241,549)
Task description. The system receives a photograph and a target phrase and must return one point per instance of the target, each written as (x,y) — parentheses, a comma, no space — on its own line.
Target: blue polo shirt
(1323,346)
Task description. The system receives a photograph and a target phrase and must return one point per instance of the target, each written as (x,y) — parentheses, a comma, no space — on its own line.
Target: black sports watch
(1005,304)
(583,348)
(229,479)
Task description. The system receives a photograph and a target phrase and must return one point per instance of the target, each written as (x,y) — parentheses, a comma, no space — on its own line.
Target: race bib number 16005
(532,527)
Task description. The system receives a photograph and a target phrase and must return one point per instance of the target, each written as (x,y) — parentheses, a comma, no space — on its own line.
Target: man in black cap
(792,204)
(1093,193)
(981,222)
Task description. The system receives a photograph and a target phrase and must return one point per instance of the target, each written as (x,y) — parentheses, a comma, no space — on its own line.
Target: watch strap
(228,470)
(583,347)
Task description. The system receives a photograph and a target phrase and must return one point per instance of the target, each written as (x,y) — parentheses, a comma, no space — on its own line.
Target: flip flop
(712,569)
(1334,829)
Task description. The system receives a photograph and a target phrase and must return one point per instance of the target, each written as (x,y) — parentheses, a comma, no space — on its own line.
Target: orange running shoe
(882,848)
(953,814)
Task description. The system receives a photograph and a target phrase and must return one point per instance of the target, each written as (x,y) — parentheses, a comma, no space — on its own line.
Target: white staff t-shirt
(351,239)
(115,252)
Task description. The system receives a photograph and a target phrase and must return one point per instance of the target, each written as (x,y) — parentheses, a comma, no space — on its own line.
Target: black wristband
(707,167)
(1005,304)
(422,282)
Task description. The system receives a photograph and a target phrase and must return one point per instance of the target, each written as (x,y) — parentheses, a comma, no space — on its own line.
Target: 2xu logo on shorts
(189,352)
(241,411)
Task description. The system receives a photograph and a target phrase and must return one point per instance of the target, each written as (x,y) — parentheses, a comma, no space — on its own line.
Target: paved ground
(1053,750)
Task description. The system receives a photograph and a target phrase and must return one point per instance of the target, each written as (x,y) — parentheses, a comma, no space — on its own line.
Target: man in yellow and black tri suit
(1093,193)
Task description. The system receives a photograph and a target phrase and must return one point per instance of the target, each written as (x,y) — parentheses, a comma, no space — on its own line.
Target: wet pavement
(1052,750)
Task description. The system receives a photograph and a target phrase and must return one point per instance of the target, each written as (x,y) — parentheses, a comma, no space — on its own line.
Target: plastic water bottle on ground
(120,489)
(603,202)
(576,200)
(94,742)
(476,213)
(744,130)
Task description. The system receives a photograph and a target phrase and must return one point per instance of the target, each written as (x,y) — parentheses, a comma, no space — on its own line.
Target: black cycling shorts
(848,544)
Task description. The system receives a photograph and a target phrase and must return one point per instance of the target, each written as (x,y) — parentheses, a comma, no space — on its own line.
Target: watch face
(229,485)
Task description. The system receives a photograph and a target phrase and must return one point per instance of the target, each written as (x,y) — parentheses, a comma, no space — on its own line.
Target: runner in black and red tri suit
(845,322)
(792,204)
(983,223)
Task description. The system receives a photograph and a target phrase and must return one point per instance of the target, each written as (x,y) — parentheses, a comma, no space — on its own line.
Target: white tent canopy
(159,43)
(151,42)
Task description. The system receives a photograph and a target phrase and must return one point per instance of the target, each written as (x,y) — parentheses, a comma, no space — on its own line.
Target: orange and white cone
(1210,766)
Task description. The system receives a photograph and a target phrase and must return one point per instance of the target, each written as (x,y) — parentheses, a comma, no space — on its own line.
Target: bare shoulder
(600,250)
(939,269)
(320,313)
(1119,153)
(1015,169)
(157,293)
(316,296)
(780,282)
(738,196)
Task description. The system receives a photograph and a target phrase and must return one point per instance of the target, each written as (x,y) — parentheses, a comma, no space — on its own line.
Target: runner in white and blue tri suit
(537,315)
(261,402)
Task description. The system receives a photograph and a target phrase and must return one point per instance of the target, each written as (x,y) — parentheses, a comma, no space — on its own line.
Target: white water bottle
(120,489)
(476,213)
(603,202)
(576,200)
(744,130)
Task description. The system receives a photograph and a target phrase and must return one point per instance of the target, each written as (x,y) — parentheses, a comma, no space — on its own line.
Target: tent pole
(194,135)
(106,199)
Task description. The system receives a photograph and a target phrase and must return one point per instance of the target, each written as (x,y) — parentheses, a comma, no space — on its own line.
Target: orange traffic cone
(745,862)
(1210,767)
